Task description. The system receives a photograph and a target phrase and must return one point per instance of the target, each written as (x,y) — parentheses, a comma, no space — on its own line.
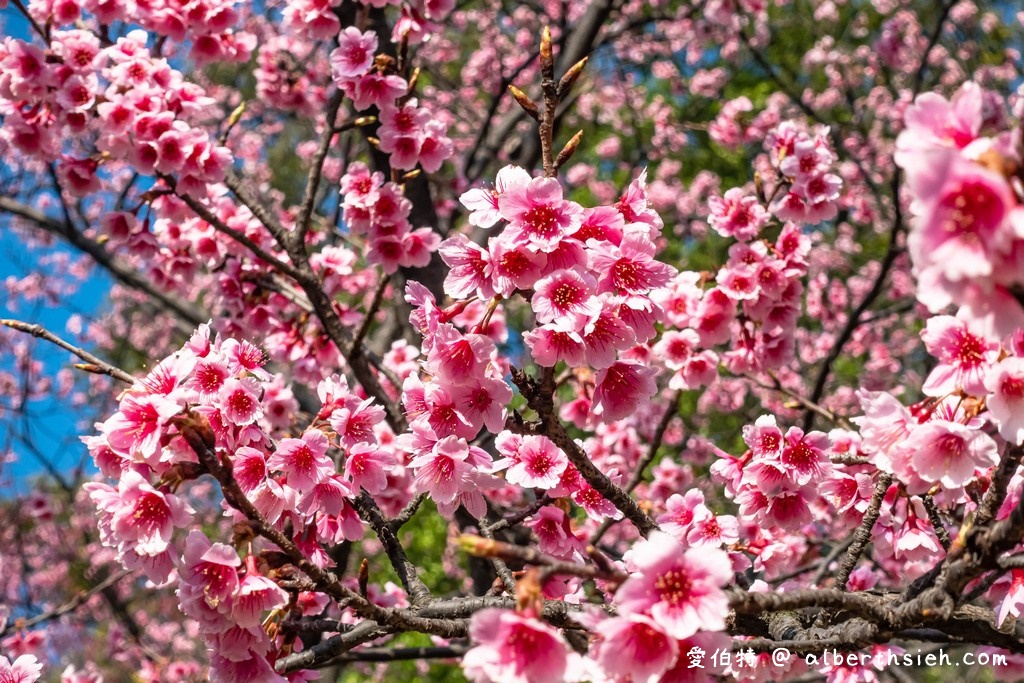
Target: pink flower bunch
(904,534)
(208,25)
(229,608)
(754,306)
(805,161)
(776,483)
(24,669)
(690,521)
(592,274)
(968,226)
(940,445)
(412,135)
(419,19)
(140,108)
(358,74)
(514,647)
(312,19)
(380,212)
(289,75)
(673,594)
(213,394)
(728,129)
(463,394)
(738,215)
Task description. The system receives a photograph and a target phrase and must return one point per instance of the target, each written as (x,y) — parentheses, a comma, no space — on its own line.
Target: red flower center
(673,587)
(1013,388)
(972,208)
(542,221)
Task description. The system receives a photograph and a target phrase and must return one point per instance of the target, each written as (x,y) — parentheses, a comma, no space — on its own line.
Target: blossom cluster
(206,24)
(591,273)
(805,162)
(139,108)
(968,229)
(671,602)
(214,395)
(379,211)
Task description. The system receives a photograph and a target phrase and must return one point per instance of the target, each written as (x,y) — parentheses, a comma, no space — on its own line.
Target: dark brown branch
(542,402)
(518,517)
(489,548)
(371,312)
(862,536)
(641,467)
(407,513)
(996,493)
(500,567)
(383,654)
(936,519)
(262,214)
(368,509)
(122,273)
(220,226)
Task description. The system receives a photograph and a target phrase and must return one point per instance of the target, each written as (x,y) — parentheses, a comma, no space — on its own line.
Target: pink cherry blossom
(354,53)
(532,461)
(210,567)
(621,387)
(304,461)
(143,517)
(680,589)
(1005,385)
(239,399)
(565,296)
(949,453)
(634,646)
(737,215)
(24,669)
(629,268)
(537,214)
(514,648)
(256,594)
(964,356)
(483,204)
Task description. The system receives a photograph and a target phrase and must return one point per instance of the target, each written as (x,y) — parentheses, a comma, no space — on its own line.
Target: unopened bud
(529,595)
(570,77)
(364,576)
(568,150)
(547,58)
(528,105)
(89,367)
(235,115)
(478,546)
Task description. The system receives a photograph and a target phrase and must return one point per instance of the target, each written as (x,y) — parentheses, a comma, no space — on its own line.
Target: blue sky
(53,426)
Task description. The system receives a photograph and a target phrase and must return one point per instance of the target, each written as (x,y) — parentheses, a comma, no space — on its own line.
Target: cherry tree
(549,341)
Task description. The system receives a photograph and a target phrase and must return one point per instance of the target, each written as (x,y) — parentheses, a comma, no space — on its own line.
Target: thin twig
(95,365)
(936,519)
(316,169)
(862,536)
(69,606)
(371,312)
